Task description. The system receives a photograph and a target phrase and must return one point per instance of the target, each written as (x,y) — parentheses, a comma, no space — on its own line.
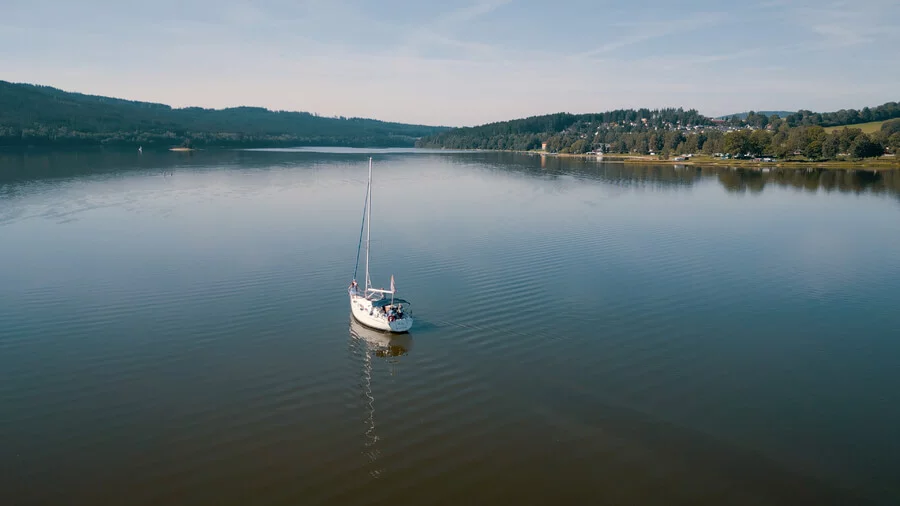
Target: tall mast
(368,226)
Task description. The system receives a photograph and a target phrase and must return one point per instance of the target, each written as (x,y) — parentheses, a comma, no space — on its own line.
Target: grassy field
(867,128)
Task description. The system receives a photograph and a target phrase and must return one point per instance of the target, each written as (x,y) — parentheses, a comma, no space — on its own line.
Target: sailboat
(376,307)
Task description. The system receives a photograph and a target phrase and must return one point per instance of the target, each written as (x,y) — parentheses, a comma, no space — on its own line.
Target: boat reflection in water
(382,344)
(374,343)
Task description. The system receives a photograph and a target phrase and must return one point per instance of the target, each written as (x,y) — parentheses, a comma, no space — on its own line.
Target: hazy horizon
(460,63)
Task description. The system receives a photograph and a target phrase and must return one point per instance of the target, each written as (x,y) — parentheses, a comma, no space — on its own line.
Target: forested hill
(668,131)
(42,115)
(743,115)
(529,133)
(884,112)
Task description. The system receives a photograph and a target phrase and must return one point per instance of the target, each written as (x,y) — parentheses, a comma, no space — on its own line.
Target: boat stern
(401,325)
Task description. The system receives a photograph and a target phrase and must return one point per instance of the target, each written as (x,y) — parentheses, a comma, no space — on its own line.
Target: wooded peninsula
(666,133)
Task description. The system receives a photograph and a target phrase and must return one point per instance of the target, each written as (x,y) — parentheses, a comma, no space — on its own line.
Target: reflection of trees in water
(844,181)
(553,167)
(737,180)
(680,175)
(30,165)
(18,165)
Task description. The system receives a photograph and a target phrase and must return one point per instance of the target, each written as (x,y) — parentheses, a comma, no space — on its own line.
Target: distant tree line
(884,112)
(675,131)
(41,115)
(561,130)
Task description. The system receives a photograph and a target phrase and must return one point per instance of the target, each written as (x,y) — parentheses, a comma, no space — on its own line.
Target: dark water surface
(174,329)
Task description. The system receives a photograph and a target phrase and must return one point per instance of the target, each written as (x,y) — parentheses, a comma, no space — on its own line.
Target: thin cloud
(244,13)
(470,12)
(694,60)
(839,35)
(844,25)
(440,32)
(654,30)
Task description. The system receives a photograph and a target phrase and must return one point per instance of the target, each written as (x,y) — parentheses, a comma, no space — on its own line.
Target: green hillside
(671,132)
(869,128)
(563,131)
(42,115)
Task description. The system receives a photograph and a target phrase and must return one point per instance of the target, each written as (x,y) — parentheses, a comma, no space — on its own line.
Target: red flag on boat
(392,282)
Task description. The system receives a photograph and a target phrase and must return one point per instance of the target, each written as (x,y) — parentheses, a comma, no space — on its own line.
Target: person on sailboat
(353,287)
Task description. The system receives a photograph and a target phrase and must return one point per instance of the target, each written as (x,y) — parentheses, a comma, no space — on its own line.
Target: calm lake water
(175,329)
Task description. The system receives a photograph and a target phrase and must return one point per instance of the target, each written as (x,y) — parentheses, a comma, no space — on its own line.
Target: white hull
(362,310)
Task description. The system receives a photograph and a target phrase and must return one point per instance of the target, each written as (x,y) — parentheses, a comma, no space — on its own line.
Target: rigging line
(361,228)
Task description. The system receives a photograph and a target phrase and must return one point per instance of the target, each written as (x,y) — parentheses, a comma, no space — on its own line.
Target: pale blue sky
(461,62)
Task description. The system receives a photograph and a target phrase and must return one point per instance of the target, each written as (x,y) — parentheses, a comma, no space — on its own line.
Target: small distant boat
(376,307)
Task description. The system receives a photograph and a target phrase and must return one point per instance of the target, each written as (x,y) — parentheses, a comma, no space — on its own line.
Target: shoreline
(881,163)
